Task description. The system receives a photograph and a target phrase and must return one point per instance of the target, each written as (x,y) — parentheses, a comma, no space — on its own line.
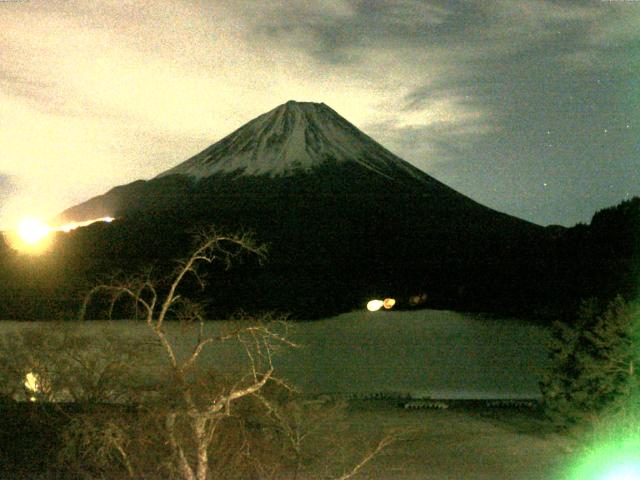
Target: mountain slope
(298,148)
(345,220)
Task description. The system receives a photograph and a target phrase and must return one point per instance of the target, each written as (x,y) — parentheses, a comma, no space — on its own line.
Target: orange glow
(33,236)
(388,303)
(32,230)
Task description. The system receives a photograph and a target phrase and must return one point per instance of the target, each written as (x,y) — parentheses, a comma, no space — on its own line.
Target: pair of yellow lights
(375,305)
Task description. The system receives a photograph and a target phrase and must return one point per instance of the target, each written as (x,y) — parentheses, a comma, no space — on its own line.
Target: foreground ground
(463,442)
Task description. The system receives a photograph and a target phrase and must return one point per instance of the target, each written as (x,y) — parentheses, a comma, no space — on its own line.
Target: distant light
(31,235)
(415,300)
(375,305)
(388,303)
(32,230)
(32,382)
(67,227)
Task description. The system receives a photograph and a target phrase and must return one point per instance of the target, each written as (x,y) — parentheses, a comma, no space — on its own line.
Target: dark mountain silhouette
(346,220)
(296,148)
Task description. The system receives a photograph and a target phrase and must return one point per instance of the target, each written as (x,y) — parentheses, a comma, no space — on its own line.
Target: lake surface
(426,353)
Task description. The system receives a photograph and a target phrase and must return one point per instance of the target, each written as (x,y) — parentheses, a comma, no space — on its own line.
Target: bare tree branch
(382,444)
(183,464)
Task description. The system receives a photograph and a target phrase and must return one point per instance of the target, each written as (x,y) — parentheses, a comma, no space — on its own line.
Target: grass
(353,354)
(468,440)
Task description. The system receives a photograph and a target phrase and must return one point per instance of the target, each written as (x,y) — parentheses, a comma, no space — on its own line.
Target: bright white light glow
(374,305)
(626,471)
(66,228)
(32,230)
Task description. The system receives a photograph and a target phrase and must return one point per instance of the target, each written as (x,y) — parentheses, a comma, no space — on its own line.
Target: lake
(423,353)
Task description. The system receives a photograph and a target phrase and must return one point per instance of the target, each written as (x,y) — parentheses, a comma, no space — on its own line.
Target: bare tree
(202,409)
(198,422)
(54,362)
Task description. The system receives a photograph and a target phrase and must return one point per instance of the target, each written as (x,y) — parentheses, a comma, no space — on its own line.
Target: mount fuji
(298,147)
(344,217)
(291,138)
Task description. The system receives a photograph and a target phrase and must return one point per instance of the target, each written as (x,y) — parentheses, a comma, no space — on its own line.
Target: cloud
(101,93)
(7,186)
(341,33)
(8,189)
(519,67)
(511,93)
(449,63)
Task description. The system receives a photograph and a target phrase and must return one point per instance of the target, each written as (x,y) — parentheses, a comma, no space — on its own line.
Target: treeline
(330,252)
(602,259)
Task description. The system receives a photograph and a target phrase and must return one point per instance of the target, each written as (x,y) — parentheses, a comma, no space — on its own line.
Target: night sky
(529,107)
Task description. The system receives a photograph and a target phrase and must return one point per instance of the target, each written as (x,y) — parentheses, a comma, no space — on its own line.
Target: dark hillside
(337,237)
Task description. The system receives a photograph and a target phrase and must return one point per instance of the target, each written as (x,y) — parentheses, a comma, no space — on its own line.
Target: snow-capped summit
(294,137)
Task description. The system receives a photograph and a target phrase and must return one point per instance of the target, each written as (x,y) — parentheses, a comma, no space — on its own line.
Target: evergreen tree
(592,363)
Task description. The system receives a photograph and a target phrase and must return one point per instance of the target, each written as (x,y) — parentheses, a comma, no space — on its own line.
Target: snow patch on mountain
(296,136)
